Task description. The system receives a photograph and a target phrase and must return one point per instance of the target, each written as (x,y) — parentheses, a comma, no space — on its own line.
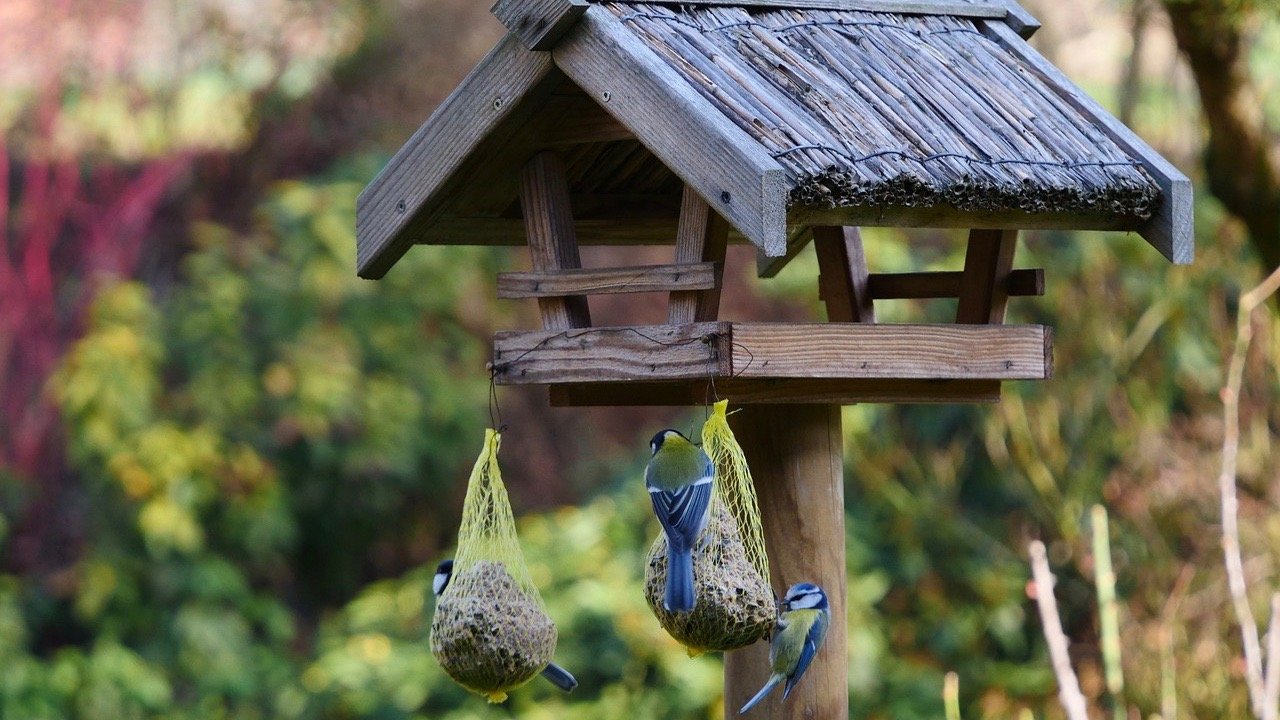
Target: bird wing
(812,641)
(682,511)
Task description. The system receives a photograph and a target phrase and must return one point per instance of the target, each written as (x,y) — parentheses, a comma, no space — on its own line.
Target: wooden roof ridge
(583,42)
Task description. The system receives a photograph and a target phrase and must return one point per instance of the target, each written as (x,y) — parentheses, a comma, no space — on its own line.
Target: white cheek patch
(806,601)
(438,583)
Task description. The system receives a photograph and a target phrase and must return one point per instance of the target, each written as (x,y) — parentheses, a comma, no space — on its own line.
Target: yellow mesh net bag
(735,603)
(491,632)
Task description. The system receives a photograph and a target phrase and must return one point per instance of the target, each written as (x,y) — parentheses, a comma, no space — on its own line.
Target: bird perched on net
(679,476)
(558,676)
(801,627)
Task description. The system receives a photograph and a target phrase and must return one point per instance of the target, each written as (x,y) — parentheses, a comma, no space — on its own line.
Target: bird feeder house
(697,123)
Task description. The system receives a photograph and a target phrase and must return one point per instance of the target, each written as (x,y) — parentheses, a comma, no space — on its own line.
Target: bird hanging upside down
(558,676)
(799,633)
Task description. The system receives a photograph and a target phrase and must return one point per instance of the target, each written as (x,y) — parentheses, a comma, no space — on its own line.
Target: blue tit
(801,628)
(558,676)
(679,479)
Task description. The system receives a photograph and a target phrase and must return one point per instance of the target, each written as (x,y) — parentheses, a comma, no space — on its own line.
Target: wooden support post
(553,242)
(844,276)
(796,458)
(984,286)
(702,236)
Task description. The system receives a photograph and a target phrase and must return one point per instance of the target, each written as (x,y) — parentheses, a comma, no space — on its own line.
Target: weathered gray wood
(844,276)
(903,7)
(984,283)
(726,166)
(926,285)
(510,231)
(702,236)
(1022,21)
(773,391)
(539,23)
(617,354)
(1170,229)
(864,350)
(768,351)
(633,279)
(553,244)
(395,201)
(582,120)
(801,219)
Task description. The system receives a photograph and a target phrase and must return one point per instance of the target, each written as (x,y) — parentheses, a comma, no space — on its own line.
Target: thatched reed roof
(882,109)
(783,115)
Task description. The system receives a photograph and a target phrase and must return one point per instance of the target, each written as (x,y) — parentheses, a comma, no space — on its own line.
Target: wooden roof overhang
(595,123)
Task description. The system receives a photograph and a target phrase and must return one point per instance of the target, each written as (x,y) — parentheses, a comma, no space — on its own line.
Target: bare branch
(1236,582)
(1069,694)
(1271,684)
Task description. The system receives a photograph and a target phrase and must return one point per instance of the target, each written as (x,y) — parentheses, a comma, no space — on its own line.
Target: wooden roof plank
(731,170)
(388,206)
(539,23)
(902,7)
(1170,228)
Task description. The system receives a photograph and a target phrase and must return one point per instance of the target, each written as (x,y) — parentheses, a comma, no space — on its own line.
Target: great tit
(801,627)
(679,479)
(558,676)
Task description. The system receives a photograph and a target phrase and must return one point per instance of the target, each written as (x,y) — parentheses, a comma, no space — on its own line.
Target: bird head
(444,572)
(804,596)
(675,437)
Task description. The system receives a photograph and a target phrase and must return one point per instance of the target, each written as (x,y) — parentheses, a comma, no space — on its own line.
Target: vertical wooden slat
(553,242)
(796,458)
(701,236)
(844,276)
(984,284)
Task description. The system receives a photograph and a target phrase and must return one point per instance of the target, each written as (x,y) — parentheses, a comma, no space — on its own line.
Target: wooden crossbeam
(701,236)
(632,279)
(985,280)
(548,219)
(1027,282)
(844,277)
(793,390)
(770,351)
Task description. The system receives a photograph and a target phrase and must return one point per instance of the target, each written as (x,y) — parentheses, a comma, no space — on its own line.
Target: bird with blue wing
(679,477)
(801,628)
(558,676)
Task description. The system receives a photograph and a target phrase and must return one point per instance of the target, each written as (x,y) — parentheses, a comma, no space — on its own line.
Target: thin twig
(1068,686)
(1271,683)
(1236,583)
(1108,611)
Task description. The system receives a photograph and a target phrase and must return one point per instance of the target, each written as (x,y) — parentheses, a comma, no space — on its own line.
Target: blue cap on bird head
(656,443)
(804,596)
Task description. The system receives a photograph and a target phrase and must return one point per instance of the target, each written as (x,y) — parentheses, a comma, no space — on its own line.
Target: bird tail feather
(680,595)
(773,683)
(560,677)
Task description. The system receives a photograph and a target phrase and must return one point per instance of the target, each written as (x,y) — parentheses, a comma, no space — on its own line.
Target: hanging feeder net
(735,603)
(491,632)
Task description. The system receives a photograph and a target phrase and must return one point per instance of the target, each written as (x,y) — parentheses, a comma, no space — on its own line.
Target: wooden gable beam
(539,23)
(723,163)
(397,203)
(1170,228)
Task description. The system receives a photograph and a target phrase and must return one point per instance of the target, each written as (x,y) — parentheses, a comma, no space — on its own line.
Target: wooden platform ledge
(774,362)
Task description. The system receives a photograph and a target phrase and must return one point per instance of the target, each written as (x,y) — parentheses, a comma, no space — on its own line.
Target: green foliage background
(270,451)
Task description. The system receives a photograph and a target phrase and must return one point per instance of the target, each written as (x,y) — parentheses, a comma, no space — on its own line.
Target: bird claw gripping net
(491,632)
(735,603)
